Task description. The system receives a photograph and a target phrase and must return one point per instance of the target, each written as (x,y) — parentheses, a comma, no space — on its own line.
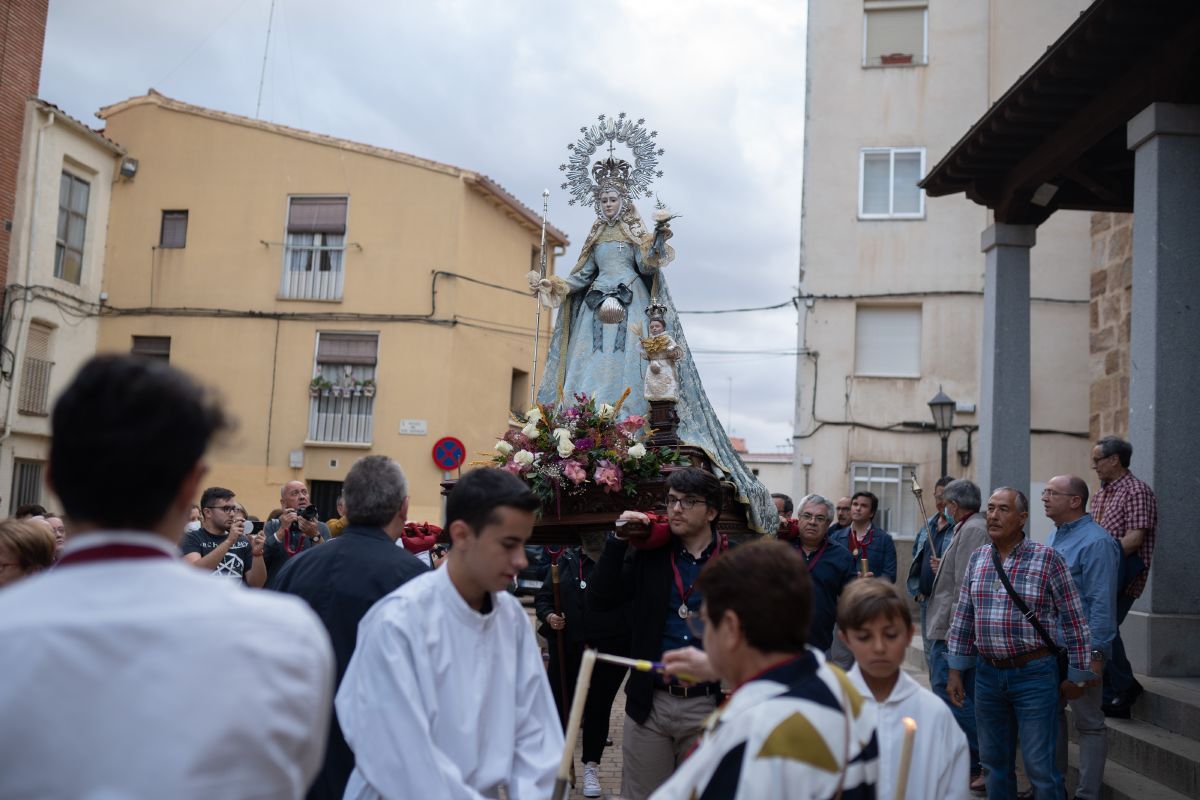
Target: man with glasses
(1093,558)
(829,563)
(663,718)
(1128,510)
(220,546)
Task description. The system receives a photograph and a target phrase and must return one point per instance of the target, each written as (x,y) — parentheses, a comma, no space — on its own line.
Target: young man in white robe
(795,728)
(875,622)
(446,696)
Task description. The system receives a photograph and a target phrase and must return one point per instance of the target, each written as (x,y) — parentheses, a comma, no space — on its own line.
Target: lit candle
(910,733)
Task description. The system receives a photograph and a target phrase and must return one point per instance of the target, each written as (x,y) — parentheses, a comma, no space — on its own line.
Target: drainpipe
(29,251)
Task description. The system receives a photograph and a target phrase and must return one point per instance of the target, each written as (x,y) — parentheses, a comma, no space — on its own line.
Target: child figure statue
(661,381)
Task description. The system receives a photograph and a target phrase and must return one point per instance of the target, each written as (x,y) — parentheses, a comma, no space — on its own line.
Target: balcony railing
(312,272)
(35,386)
(343,420)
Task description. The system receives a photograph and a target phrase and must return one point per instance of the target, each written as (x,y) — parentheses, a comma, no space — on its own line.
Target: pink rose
(608,475)
(574,471)
(635,421)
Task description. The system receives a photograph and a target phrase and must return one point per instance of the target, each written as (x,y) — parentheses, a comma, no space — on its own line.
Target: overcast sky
(501,87)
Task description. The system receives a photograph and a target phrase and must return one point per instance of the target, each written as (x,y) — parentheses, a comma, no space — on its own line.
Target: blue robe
(604,365)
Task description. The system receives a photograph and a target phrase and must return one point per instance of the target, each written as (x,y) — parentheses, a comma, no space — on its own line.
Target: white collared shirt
(145,678)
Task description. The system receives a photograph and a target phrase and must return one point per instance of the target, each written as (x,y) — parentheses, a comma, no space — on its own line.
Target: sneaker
(591,780)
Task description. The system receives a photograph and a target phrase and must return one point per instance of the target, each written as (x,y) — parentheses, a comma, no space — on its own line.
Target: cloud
(502,88)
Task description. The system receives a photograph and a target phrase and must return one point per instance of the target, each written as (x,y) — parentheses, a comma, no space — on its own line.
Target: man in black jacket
(606,631)
(342,579)
(663,719)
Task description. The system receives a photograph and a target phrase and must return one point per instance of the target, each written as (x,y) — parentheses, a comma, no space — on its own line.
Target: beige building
(55,276)
(345,299)
(894,279)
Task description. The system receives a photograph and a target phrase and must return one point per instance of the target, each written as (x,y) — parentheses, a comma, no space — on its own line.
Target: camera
(309,513)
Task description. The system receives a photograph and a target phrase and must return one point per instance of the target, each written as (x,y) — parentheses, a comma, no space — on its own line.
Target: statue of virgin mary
(595,346)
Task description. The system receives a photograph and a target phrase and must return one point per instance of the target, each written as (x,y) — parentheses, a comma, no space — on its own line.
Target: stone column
(1004,383)
(1162,633)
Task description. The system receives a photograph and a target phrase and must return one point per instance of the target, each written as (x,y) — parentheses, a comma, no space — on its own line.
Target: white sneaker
(591,780)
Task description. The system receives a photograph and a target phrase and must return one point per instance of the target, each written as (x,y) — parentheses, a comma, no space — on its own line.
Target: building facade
(22,33)
(893,281)
(344,299)
(55,273)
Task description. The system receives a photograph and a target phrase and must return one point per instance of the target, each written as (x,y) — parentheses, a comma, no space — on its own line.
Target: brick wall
(22,31)
(1111,304)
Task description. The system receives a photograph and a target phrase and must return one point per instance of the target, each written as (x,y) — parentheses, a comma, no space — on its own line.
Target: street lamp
(942,408)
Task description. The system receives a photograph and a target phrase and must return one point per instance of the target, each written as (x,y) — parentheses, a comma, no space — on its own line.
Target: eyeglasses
(686,503)
(226,509)
(695,624)
(1096,461)
(1053,493)
(813,518)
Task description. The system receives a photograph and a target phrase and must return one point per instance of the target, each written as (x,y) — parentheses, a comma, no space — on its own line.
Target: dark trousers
(597,709)
(1118,673)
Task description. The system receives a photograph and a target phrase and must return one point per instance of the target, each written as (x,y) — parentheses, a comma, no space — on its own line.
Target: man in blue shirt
(864,540)
(1093,557)
(829,564)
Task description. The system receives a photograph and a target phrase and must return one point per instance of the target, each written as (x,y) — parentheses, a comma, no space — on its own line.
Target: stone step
(1120,782)
(1170,703)
(1167,758)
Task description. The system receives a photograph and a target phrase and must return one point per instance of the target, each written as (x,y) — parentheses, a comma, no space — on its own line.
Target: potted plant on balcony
(368,388)
(317,386)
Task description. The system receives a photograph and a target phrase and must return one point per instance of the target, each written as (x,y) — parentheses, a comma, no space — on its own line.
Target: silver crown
(582,180)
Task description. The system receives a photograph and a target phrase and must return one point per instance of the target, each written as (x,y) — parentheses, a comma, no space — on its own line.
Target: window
(887,186)
(887,341)
(35,371)
(316,238)
(27,483)
(173,233)
(897,512)
(895,33)
(518,392)
(72,223)
(342,392)
(158,347)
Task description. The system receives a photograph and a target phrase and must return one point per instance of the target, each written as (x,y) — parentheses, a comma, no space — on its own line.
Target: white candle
(574,721)
(910,733)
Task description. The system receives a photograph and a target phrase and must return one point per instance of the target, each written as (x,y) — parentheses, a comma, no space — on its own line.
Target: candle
(910,733)
(642,665)
(573,722)
(863,566)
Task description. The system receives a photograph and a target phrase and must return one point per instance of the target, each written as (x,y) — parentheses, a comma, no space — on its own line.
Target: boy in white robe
(795,727)
(875,622)
(446,695)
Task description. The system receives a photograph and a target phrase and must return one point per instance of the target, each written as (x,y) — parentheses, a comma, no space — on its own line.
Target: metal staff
(537,324)
(918,492)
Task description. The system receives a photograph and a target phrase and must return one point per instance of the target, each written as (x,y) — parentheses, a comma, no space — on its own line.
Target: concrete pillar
(1004,383)
(1162,633)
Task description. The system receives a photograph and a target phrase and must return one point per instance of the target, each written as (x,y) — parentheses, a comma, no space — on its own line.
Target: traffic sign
(449,453)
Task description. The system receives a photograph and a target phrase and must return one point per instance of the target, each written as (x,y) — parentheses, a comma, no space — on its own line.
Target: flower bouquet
(565,450)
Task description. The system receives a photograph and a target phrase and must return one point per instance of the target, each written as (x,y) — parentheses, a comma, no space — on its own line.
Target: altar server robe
(940,765)
(443,701)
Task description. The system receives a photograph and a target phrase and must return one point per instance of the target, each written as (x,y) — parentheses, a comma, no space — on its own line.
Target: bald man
(291,533)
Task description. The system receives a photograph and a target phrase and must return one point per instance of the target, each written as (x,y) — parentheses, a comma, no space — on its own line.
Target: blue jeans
(939,672)
(1018,703)
(1118,673)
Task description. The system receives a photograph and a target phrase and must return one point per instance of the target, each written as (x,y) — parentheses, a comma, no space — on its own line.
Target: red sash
(115,551)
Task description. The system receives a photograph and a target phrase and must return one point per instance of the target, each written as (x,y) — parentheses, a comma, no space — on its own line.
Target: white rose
(534,415)
(530,430)
(561,433)
(565,447)
(637,451)
(503,447)
(605,411)
(523,457)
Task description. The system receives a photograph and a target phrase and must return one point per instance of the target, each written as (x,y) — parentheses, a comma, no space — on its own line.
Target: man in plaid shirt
(1128,510)
(1016,674)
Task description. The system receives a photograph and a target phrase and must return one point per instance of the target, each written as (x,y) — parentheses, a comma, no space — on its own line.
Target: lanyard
(816,557)
(110,552)
(862,544)
(683,596)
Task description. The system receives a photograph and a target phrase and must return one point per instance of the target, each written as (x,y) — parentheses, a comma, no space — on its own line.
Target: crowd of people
(182,649)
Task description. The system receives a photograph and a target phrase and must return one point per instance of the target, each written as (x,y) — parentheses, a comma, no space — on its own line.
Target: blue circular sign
(449,453)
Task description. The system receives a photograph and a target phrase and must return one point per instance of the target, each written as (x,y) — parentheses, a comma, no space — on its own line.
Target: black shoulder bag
(1060,654)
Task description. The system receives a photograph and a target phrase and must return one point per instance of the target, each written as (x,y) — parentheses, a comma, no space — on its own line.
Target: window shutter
(348,348)
(152,347)
(895,32)
(888,341)
(317,215)
(174,229)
